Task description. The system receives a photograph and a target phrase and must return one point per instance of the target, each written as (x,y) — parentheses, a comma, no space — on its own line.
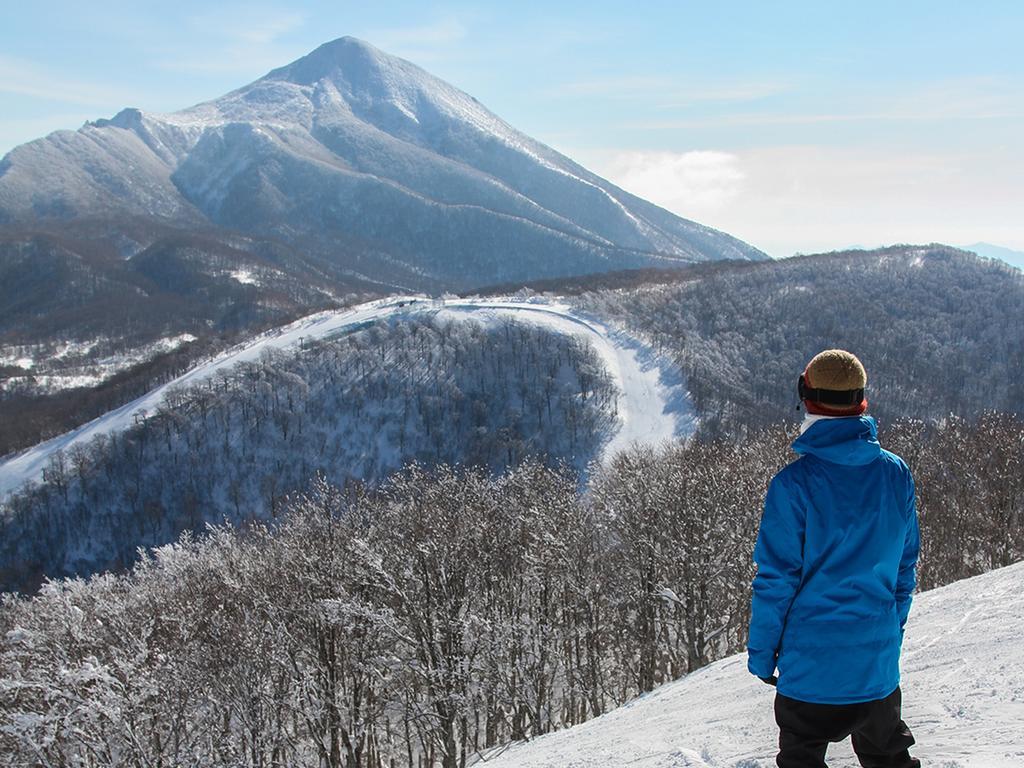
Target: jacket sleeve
(906,578)
(779,557)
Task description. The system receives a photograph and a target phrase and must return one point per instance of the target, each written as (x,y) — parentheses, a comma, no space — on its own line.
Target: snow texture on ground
(653,405)
(72,364)
(963,698)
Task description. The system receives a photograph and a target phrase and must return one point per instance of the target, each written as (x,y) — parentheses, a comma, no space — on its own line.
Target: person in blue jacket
(836,555)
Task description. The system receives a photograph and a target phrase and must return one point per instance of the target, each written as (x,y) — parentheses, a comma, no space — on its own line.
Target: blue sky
(796,126)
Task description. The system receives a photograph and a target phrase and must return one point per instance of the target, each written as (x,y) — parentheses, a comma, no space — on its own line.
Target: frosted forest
(444,612)
(352,407)
(345,425)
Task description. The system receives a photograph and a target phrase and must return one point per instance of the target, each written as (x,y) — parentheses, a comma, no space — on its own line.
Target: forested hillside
(444,613)
(939,330)
(354,407)
(91,317)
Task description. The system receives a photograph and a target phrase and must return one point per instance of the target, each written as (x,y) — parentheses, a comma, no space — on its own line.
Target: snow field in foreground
(963,698)
(653,405)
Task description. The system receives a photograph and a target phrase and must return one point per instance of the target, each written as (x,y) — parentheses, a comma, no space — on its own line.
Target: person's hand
(770,680)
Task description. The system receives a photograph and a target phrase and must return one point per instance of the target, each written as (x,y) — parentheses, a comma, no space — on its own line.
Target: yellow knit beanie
(837,370)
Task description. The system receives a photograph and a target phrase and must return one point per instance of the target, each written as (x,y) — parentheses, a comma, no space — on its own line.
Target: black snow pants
(880,738)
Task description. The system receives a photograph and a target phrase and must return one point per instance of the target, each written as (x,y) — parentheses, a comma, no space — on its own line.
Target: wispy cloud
(21,130)
(233,60)
(269,29)
(962,97)
(959,99)
(442,32)
(755,119)
(420,43)
(248,24)
(236,39)
(667,92)
(26,78)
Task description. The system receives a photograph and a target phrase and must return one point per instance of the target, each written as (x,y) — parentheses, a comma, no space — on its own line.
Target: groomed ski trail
(653,404)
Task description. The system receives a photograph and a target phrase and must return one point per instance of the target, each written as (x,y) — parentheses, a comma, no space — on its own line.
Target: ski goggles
(837,397)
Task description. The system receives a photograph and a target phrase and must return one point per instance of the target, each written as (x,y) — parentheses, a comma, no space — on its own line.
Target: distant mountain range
(1010,256)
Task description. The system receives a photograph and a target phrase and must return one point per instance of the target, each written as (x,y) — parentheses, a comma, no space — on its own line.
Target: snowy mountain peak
(129,118)
(383,90)
(354,152)
(347,58)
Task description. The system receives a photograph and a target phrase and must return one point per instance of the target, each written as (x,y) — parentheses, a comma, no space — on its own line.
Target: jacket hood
(851,440)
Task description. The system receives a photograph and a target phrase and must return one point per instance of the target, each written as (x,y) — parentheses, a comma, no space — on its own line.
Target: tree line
(436,616)
(938,329)
(424,388)
(117,287)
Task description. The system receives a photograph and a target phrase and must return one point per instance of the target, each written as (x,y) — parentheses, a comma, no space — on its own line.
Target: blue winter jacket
(835,558)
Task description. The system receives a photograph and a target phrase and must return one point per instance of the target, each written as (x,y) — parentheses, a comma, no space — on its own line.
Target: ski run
(653,405)
(963,698)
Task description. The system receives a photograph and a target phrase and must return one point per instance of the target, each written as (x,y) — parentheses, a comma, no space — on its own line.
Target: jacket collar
(850,440)
(810,418)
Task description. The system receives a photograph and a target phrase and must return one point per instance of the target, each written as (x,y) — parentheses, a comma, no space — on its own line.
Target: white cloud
(953,99)
(817,198)
(667,92)
(253,25)
(26,78)
(697,182)
(814,198)
(234,39)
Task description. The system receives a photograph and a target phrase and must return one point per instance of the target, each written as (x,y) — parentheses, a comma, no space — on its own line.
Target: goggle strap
(830,396)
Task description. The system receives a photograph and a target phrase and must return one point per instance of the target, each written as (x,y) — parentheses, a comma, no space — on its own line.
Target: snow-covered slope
(963,693)
(653,405)
(351,149)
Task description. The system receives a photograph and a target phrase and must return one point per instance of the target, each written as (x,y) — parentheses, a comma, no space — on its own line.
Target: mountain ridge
(351,146)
